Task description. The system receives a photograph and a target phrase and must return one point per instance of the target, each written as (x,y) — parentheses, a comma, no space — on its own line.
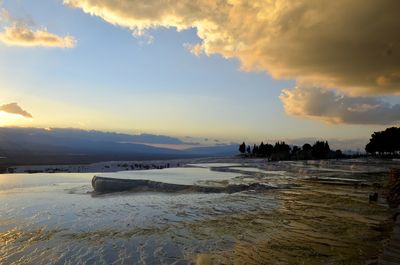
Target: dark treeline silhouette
(282,151)
(385,143)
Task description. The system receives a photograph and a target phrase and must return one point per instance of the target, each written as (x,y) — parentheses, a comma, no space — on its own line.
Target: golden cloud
(14,108)
(21,35)
(328,106)
(351,45)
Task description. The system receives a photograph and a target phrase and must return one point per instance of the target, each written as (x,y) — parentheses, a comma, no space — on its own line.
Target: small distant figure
(373,197)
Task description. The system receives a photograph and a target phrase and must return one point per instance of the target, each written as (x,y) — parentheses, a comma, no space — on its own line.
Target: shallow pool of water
(181,176)
(57,219)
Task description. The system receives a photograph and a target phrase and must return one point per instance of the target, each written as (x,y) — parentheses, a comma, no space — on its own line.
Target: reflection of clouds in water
(181,176)
(164,228)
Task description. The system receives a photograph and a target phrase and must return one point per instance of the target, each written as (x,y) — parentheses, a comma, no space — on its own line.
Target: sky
(228,69)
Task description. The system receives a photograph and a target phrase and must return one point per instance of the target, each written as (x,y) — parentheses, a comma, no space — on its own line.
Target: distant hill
(21,146)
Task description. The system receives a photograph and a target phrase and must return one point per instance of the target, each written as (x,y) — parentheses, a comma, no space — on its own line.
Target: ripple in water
(56,219)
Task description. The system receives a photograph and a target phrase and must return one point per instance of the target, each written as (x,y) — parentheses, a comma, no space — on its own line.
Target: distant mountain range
(19,146)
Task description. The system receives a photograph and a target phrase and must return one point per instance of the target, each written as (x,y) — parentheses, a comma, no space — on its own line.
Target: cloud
(352,45)
(328,106)
(14,108)
(4,14)
(17,32)
(21,35)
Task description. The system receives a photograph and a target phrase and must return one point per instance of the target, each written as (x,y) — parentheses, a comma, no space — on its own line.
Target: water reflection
(55,219)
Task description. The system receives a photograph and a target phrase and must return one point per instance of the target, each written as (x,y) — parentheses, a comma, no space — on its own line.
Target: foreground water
(317,212)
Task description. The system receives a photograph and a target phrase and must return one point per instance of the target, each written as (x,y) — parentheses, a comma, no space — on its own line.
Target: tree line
(385,143)
(282,151)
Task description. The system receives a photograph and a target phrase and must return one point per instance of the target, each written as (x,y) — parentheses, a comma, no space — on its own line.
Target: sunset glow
(200,132)
(7,119)
(181,70)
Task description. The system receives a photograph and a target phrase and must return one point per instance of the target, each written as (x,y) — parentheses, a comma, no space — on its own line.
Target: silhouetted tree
(385,142)
(281,151)
(281,147)
(261,150)
(338,154)
(242,148)
(307,147)
(295,150)
(320,150)
(269,149)
(255,150)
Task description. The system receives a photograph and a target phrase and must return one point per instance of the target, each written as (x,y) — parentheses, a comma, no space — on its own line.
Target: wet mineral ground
(315,212)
